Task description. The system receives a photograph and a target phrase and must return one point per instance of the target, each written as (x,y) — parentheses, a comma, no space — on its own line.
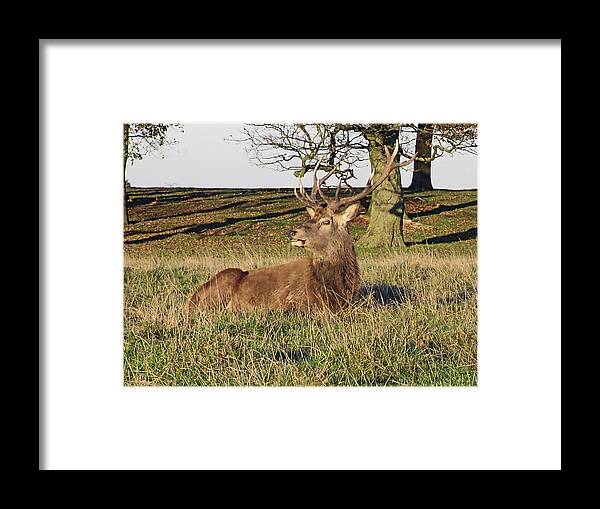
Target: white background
(511,420)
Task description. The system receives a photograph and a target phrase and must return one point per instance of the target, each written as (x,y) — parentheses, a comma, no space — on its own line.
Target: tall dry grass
(414,323)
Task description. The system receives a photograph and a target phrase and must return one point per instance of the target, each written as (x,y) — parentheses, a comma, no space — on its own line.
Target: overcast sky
(203,158)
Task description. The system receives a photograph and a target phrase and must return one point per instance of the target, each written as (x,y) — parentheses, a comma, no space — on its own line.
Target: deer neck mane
(337,270)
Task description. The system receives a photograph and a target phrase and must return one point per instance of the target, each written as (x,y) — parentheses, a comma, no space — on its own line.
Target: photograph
(310,242)
(300,254)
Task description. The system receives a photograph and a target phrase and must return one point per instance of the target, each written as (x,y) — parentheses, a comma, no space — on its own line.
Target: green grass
(414,323)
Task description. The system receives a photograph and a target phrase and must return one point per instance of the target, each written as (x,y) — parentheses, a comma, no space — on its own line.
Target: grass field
(414,323)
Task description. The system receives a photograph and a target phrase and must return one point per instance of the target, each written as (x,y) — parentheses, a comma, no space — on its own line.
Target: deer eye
(325,221)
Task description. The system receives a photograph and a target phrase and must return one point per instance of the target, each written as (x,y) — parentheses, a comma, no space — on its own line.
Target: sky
(203,158)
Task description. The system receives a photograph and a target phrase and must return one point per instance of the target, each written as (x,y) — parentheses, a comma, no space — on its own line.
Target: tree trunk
(125,209)
(422,169)
(125,157)
(386,210)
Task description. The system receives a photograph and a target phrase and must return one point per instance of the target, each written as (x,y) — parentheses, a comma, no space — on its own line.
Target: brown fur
(328,279)
(217,292)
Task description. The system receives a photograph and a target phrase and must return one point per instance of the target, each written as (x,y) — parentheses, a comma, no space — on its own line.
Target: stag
(327,279)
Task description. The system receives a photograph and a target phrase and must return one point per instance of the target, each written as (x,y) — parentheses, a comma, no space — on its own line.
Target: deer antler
(313,200)
(336,203)
(370,187)
(303,197)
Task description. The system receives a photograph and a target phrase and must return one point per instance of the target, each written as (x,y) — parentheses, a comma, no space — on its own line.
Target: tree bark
(386,210)
(422,169)
(125,157)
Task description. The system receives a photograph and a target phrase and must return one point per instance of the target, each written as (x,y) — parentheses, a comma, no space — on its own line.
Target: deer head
(326,230)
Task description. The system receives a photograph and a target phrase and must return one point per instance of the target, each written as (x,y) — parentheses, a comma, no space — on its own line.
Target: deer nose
(292,234)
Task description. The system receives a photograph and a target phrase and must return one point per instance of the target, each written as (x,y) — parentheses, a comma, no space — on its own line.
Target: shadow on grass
(471,233)
(183,214)
(443,208)
(236,204)
(384,294)
(135,201)
(207,227)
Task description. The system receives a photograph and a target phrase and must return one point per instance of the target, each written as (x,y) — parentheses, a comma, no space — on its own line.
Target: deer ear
(311,212)
(349,213)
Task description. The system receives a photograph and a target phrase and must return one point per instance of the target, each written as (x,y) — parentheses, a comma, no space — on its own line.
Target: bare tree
(141,140)
(297,147)
(387,209)
(434,141)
